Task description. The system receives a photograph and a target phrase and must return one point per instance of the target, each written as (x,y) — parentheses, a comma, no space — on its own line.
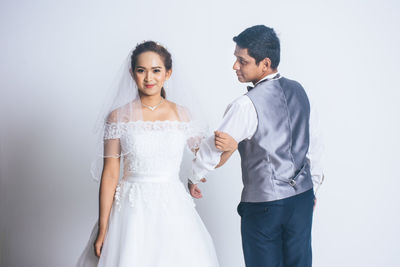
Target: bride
(146,218)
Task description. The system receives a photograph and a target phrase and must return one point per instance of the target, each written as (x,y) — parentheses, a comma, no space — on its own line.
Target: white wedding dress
(153,221)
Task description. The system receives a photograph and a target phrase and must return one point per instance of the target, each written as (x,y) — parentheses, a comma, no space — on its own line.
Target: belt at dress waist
(151,178)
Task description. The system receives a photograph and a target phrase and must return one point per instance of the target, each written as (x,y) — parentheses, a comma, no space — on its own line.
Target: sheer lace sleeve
(112,130)
(112,126)
(112,135)
(194,137)
(195,131)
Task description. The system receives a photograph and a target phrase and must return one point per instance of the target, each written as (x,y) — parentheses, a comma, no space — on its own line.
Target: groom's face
(246,68)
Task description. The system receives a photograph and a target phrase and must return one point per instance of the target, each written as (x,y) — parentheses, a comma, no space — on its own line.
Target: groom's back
(274,164)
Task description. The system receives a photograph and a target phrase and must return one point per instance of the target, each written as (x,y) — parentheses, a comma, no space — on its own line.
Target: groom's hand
(225,142)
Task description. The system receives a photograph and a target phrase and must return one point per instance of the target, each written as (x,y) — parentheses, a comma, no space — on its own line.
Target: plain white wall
(58,57)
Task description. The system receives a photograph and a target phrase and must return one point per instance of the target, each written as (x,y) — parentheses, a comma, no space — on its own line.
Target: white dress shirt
(240,121)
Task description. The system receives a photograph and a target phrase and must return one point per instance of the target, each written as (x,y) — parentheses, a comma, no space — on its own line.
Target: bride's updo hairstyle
(151,46)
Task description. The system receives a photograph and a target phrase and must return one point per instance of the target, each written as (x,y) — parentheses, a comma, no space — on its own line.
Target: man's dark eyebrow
(238,56)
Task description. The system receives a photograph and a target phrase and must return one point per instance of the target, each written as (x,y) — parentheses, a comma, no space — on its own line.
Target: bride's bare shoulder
(181,112)
(118,114)
(112,116)
(176,106)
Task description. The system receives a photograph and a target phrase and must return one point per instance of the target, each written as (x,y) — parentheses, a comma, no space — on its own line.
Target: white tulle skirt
(152,224)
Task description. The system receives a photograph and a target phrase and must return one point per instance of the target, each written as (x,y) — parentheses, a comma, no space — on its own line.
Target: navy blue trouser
(278,233)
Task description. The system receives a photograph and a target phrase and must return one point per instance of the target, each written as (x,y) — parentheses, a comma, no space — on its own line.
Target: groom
(271,124)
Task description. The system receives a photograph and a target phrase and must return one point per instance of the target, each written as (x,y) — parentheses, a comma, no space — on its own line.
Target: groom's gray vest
(274,163)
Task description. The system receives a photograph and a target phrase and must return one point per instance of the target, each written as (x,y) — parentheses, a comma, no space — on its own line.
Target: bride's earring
(166,85)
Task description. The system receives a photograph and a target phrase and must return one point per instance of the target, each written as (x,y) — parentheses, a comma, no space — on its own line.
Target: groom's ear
(266,63)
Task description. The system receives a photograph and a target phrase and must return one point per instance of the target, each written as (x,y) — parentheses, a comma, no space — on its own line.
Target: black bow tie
(249,88)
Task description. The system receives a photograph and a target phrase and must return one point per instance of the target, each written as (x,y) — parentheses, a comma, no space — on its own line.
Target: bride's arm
(226,143)
(109,181)
(240,121)
(108,185)
(224,158)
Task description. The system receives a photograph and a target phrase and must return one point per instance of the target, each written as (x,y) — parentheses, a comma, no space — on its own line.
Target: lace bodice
(153,147)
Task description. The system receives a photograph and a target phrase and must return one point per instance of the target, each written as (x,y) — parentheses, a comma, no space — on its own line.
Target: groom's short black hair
(261,42)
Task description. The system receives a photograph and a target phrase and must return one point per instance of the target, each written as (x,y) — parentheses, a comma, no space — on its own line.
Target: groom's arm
(240,122)
(315,150)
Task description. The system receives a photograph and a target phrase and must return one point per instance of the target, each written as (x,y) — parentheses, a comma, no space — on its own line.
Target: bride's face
(150,73)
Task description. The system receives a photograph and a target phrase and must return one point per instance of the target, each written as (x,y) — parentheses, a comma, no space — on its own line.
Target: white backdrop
(57,56)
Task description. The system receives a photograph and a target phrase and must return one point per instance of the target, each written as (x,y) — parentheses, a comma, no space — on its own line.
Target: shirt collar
(269,76)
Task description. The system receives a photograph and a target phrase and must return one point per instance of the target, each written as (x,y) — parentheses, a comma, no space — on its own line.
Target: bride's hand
(194,190)
(225,142)
(98,244)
